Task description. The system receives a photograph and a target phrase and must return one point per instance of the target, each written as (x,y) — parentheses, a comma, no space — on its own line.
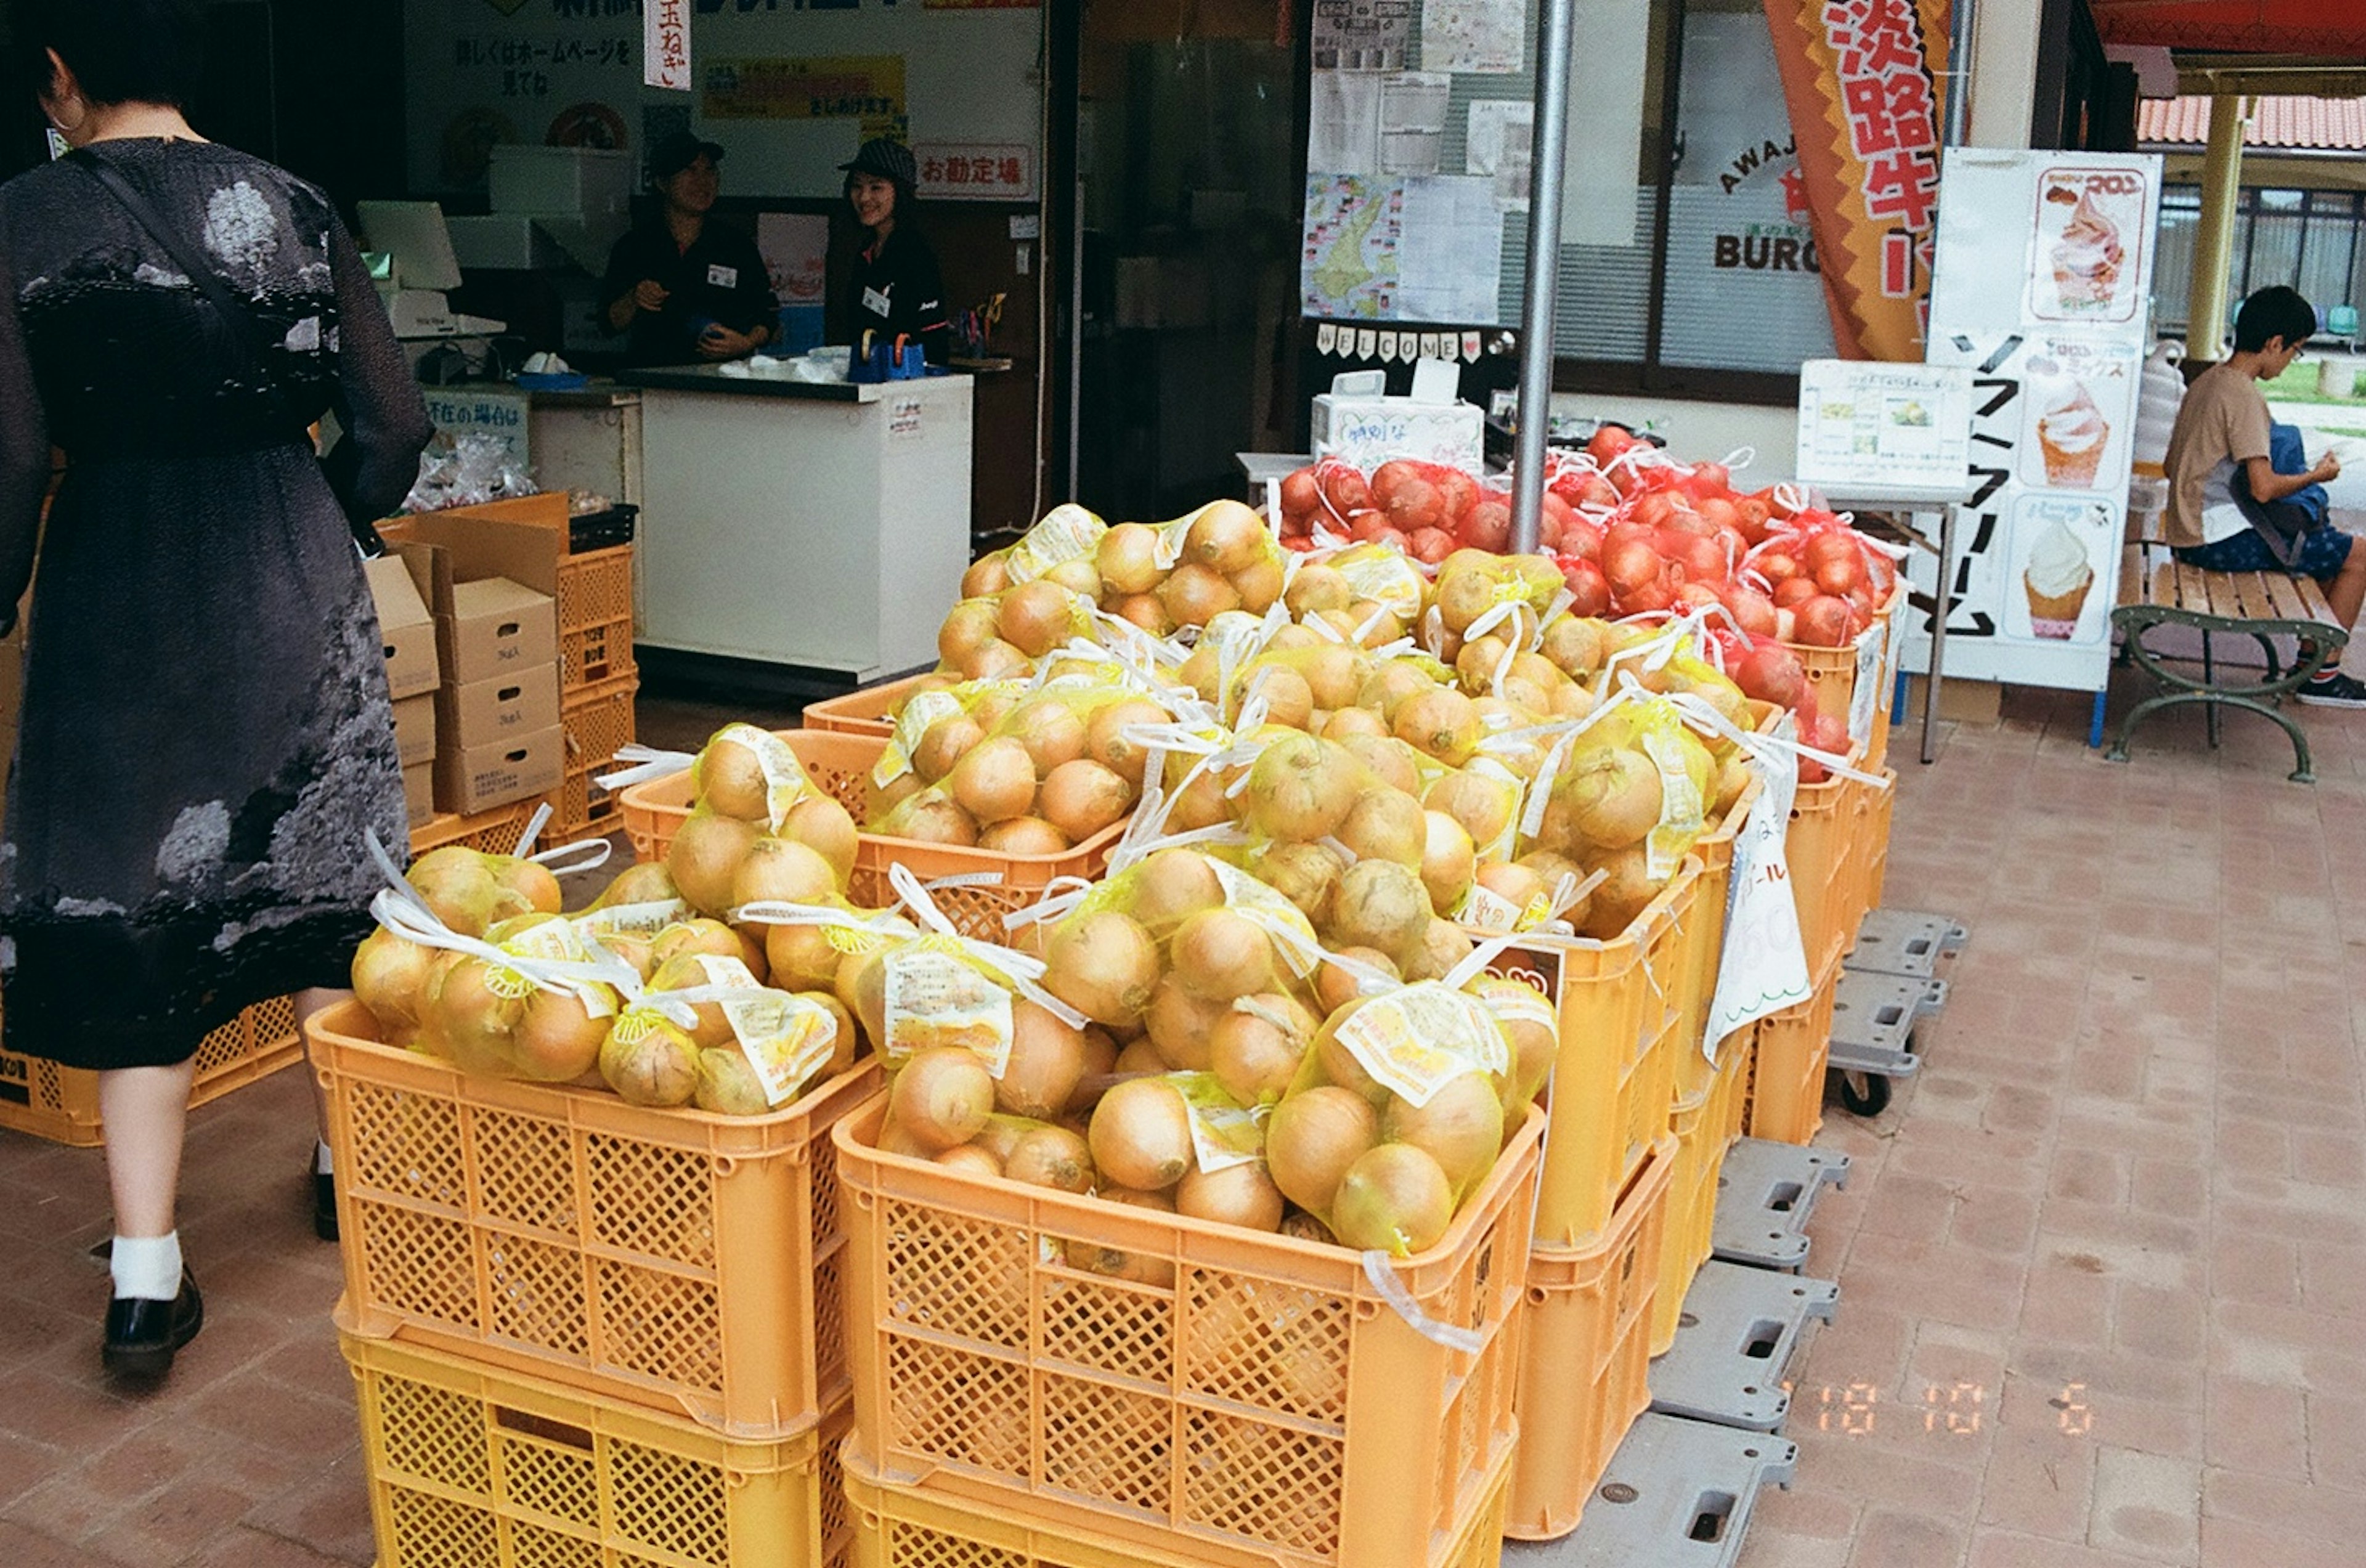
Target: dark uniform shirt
(897,289)
(721,278)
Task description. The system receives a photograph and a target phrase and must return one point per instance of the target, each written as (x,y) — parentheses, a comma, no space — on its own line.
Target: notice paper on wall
(1342,127)
(1477,36)
(1362,35)
(1450,255)
(1609,64)
(1501,145)
(1413,121)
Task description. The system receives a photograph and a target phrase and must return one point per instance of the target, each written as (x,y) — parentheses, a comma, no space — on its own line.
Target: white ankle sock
(324,1162)
(147,1268)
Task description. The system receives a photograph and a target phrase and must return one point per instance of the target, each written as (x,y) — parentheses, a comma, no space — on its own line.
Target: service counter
(822,526)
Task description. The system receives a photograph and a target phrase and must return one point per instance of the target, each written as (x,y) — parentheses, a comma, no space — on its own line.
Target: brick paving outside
(2102,1263)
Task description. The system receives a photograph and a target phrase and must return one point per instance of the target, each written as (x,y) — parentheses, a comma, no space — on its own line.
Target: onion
(1226,536)
(849,1042)
(728,1085)
(1628,885)
(1381,904)
(1443,945)
(1195,594)
(1047,1060)
(1050,731)
(825,827)
(1127,558)
(1300,788)
(1439,722)
(1079,576)
(1023,836)
(1394,1200)
(782,870)
(1397,765)
(1306,875)
(1140,1134)
(1241,1195)
(1103,964)
(1347,721)
(969,1160)
(1036,618)
(1488,527)
(1482,806)
(1448,861)
(1146,611)
(1219,954)
(1256,1048)
(648,1062)
(1387,824)
(1180,1025)
(993,661)
(1289,700)
(894,1139)
(1174,884)
(987,576)
(1098,1054)
(966,630)
(1616,800)
(1317,588)
(706,854)
(1311,1141)
(1771,673)
(709,937)
(1106,742)
(945,743)
(1259,584)
(1462,1128)
(1516,884)
(1335,988)
(1140,1267)
(1051,1156)
(1081,797)
(1141,1059)
(390,976)
(1823,622)
(682,973)
(1589,591)
(1630,566)
(942,1097)
(558,1040)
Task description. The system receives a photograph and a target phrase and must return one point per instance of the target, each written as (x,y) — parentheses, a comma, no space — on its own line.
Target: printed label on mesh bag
(1224,1133)
(1415,1041)
(935,999)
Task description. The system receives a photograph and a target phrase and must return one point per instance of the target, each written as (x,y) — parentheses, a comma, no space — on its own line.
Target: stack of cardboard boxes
(472,663)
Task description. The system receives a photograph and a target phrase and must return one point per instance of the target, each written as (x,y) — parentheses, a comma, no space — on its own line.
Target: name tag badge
(874,302)
(723,277)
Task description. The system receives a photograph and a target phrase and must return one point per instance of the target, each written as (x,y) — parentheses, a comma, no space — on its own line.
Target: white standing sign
(665,44)
(2040,294)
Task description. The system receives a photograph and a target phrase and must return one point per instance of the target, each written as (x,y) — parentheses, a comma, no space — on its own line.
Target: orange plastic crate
(1584,1376)
(1704,1127)
(494,832)
(665,1258)
(1620,1006)
(1786,1074)
(910,1527)
(1266,1406)
(842,765)
(1873,845)
(599,723)
(589,655)
(1826,821)
(40,1097)
(471,1467)
(871,711)
(595,588)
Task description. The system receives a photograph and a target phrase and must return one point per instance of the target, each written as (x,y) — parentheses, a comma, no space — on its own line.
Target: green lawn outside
(2298,385)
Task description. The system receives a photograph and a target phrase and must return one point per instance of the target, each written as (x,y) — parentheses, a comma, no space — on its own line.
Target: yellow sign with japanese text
(868,87)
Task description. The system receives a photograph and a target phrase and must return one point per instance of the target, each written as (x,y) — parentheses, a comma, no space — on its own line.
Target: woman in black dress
(206,730)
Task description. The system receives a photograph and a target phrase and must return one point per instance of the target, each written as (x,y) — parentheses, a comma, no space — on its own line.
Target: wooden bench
(2158,589)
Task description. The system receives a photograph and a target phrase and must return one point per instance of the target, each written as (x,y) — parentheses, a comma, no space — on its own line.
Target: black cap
(887,158)
(678,152)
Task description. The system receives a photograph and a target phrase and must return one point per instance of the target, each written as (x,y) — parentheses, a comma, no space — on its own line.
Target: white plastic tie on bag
(1020,969)
(413,922)
(534,828)
(1382,1273)
(648,762)
(1740,458)
(583,854)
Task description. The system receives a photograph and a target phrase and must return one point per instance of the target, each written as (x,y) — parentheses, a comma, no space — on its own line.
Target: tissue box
(1367,432)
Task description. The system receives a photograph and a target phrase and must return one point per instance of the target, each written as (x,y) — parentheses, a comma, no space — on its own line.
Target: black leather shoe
(324,1206)
(143,1335)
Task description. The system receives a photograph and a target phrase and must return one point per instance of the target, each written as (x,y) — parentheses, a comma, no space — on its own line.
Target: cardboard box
(405,625)
(1354,422)
(505,707)
(478,778)
(419,792)
(414,730)
(494,628)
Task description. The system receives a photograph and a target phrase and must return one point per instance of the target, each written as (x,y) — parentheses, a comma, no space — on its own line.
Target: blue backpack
(2287,455)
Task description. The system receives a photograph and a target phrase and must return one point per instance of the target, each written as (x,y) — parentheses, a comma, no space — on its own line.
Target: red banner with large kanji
(1861,79)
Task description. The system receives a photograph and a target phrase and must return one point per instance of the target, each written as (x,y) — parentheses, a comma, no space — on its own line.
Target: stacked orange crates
(583,1330)
(1228,1399)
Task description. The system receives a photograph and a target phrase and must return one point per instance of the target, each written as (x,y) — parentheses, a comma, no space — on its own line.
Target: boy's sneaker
(2341,692)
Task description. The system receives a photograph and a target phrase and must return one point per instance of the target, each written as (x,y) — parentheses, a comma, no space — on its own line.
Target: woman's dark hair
(123,51)
(2273,312)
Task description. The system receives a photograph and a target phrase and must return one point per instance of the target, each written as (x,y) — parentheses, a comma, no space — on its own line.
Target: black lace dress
(206,731)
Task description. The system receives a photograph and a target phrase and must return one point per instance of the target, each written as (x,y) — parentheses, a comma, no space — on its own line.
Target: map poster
(1353,233)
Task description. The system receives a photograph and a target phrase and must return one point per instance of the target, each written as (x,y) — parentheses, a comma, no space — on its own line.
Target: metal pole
(1547,158)
(1962,25)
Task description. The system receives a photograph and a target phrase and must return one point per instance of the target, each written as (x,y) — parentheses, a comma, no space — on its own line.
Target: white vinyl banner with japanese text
(2042,288)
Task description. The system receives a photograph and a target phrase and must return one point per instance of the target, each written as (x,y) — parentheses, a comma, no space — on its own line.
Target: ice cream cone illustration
(2071,435)
(2057,579)
(2087,257)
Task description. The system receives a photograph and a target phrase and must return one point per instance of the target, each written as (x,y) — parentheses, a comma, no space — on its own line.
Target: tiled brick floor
(2103,1264)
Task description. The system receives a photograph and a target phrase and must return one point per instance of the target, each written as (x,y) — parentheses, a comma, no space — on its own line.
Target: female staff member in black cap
(895,289)
(684,287)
